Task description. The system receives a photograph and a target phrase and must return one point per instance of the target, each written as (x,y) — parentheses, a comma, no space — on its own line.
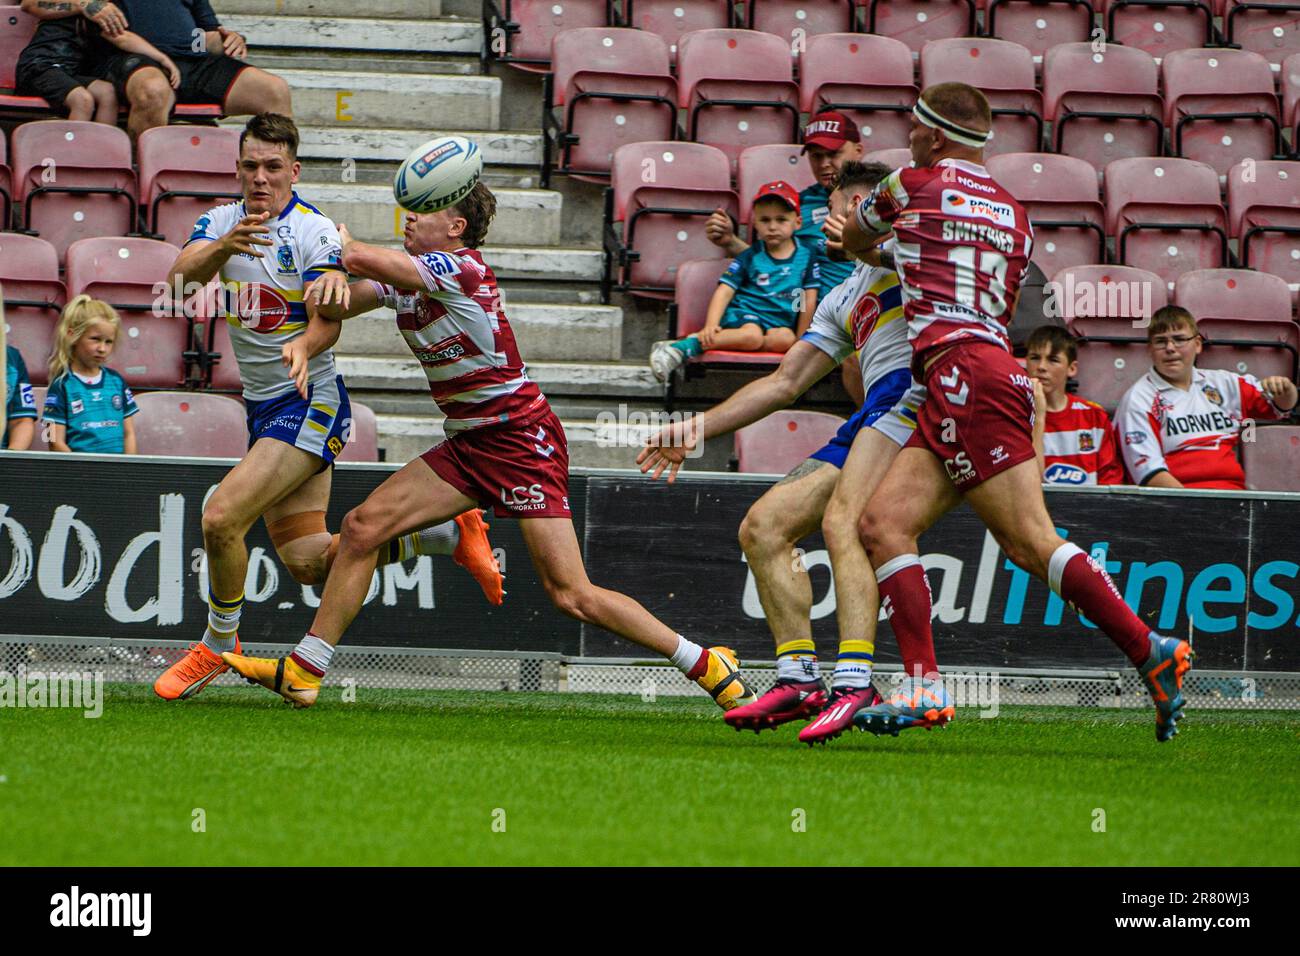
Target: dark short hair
(272,128)
(1171,317)
(855,174)
(1055,339)
(478,210)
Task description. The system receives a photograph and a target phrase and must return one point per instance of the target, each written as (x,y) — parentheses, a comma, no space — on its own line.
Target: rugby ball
(438,174)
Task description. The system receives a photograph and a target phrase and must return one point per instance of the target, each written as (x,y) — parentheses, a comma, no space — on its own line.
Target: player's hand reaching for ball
(669,447)
(248,234)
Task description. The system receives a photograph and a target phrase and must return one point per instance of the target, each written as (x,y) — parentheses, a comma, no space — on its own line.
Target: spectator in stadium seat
(58,64)
(1179,425)
(208,56)
(20,403)
(88,406)
(1078,444)
(766,298)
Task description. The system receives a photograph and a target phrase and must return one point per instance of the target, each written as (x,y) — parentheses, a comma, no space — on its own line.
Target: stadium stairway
(366,91)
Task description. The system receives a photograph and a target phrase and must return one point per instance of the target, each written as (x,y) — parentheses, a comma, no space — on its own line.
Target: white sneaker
(664,359)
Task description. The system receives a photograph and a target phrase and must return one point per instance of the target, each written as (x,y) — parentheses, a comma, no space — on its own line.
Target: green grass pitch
(432,778)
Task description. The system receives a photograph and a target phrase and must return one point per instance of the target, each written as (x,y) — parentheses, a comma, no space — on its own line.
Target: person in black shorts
(208,57)
(59,65)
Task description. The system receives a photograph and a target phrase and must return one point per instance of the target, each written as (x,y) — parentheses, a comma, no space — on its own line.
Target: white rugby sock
(686,656)
(314,653)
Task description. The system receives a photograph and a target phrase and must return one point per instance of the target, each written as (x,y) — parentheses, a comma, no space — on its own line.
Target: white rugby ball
(438,174)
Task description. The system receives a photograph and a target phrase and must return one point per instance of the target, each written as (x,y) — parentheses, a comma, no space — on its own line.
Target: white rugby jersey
(864,314)
(458,331)
(1192,434)
(262,298)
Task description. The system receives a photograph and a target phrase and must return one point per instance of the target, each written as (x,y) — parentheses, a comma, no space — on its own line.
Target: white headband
(956,133)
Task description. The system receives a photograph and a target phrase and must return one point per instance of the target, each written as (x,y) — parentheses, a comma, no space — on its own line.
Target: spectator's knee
(79,100)
(149,91)
(751,338)
(778,340)
(278,95)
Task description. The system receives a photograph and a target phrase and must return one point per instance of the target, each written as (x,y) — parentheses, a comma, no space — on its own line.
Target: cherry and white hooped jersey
(458,331)
(962,246)
(1079,446)
(1192,433)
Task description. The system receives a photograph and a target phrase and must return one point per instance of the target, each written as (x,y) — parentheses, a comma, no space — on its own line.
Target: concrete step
(386,9)
(357,100)
(354,33)
(543,331)
(500,147)
(530,215)
(277,59)
(611,379)
(551,264)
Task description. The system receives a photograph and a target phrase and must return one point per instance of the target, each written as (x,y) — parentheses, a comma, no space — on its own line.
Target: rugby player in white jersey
(504,447)
(266,250)
(862,316)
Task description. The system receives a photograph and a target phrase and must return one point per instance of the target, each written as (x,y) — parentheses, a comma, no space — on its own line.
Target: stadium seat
(1166,215)
(1245,317)
(73,180)
(1108,307)
(16,29)
(1158,27)
(671,18)
(738,89)
(33,297)
(1037,25)
(614,87)
(519,32)
(765,164)
(1290,85)
(1004,72)
(363,439)
(184,172)
(1220,107)
(868,78)
(1272,460)
(893,158)
(917,22)
(1061,196)
(190,424)
(775,444)
(6,180)
(786,18)
(661,194)
(1102,106)
(1264,216)
(1267,27)
(154,347)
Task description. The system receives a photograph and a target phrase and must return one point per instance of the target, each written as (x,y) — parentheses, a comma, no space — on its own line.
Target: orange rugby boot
(474,554)
(193,672)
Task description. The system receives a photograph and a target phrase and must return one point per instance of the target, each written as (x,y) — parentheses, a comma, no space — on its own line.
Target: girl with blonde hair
(88,406)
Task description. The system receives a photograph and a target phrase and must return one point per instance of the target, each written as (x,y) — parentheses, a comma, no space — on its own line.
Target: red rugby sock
(905,598)
(1073,574)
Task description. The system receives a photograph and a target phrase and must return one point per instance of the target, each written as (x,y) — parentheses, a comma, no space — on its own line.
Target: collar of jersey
(1162,383)
(966,164)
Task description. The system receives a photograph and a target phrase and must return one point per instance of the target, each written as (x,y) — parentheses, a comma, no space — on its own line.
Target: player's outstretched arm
(392,266)
(802,366)
(361,298)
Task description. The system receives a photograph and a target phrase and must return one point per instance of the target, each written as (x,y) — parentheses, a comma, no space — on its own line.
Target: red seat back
(666,164)
(185,159)
(697,280)
(765,164)
(1004,72)
(29,273)
(669,19)
(190,424)
(1203,82)
(540,21)
(1273,34)
(16,29)
(1267,195)
(797,20)
(1158,29)
(917,22)
(1039,26)
(1056,189)
(1272,460)
(775,444)
(868,78)
(1241,294)
(1108,300)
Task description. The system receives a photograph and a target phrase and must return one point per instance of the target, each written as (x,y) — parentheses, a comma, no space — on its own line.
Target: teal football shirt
(94,413)
(769,291)
(20,402)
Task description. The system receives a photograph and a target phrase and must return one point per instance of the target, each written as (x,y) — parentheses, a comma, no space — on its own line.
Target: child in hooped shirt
(88,406)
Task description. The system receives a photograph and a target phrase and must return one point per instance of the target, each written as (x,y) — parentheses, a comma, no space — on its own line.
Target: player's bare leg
(553,545)
(270,471)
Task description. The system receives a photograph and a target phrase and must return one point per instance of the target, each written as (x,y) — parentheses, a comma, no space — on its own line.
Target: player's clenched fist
(247,235)
(669,447)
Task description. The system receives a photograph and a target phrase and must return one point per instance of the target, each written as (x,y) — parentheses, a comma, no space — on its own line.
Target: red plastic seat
(917,22)
(363,439)
(1272,460)
(669,19)
(193,424)
(614,88)
(151,350)
(795,21)
(738,89)
(1102,106)
(1290,85)
(6,178)
(868,78)
(1158,27)
(1220,106)
(34,297)
(73,180)
(1245,317)
(1037,25)
(696,282)
(1166,215)
(661,194)
(775,444)
(765,164)
(16,29)
(893,158)
(1061,196)
(1004,72)
(1269,28)
(1264,216)
(520,31)
(184,172)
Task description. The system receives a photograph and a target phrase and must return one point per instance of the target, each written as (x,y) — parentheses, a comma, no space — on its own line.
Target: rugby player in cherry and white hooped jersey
(962,249)
(267,250)
(505,448)
(1179,425)
(1078,444)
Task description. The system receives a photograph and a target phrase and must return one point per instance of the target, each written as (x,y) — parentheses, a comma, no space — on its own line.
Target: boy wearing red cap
(766,298)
